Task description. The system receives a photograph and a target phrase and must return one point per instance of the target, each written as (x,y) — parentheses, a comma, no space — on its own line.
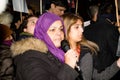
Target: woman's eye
(61,29)
(52,30)
(33,22)
(77,27)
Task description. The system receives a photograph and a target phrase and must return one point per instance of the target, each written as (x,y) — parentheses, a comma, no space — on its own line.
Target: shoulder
(85,50)
(19,47)
(30,57)
(5,51)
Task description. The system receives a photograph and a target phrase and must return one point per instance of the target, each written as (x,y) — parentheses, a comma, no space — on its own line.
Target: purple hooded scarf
(40,32)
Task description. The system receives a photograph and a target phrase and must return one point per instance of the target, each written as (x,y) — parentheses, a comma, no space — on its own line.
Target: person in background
(107,11)
(15,25)
(41,58)
(27,27)
(6,60)
(6,18)
(86,49)
(57,7)
(31,11)
(74,35)
(105,35)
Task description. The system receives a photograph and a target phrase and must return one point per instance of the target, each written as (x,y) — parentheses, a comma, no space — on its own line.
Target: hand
(71,57)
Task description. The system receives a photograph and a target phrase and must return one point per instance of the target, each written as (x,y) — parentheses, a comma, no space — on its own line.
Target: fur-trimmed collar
(19,47)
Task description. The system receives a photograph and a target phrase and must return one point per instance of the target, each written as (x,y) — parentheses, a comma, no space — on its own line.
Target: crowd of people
(56,45)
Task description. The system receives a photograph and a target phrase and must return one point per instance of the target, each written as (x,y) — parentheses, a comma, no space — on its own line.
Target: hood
(19,47)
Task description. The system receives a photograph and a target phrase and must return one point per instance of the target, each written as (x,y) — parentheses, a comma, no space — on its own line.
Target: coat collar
(19,47)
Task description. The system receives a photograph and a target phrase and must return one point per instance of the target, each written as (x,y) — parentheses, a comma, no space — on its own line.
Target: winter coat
(6,63)
(86,63)
(105,35)
(89,72)
(24,35)
(33,61)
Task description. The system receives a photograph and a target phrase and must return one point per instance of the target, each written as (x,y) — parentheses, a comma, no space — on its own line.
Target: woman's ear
(25,30)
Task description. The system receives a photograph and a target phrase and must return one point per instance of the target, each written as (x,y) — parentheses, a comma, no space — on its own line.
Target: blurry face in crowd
(30,12)
(31,25)
(17,24)
(56,33)
(58,10)
(9,38)
(75,33)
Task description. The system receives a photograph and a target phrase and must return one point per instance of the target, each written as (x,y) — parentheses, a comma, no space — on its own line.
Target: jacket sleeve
(67,73)
(86,65)
(33,68)
(6,65)
(112,40)
(108,73)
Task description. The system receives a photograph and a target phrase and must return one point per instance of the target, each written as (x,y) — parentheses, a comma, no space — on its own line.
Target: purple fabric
(8,42)
(40,32)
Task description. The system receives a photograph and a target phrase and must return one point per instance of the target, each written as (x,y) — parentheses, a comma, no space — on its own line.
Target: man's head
(57,7)
(93,12)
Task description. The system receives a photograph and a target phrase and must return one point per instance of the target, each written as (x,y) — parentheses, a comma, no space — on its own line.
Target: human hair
(24,23)
(93,9)
(5,32)
(70,19)
(6,18)
(61,3)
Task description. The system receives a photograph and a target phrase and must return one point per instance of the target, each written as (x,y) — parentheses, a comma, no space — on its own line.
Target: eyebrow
(31,19)
(57,26)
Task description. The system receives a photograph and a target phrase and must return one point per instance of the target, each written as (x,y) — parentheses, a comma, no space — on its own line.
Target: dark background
(83,6)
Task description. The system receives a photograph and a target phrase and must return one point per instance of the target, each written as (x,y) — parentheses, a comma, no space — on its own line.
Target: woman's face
(75,33)
(55,32)
(31,25)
